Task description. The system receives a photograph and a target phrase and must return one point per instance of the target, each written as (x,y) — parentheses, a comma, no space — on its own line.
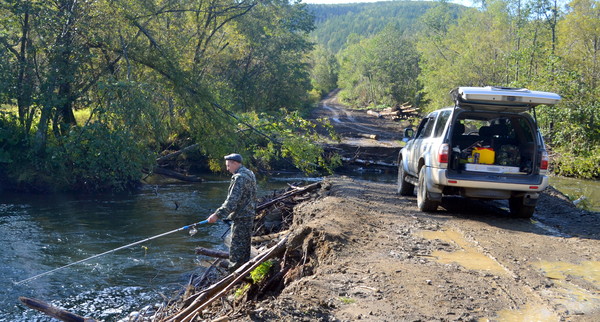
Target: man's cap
(234,157)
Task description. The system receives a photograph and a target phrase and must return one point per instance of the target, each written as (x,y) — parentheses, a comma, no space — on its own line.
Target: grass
(347,300)
(81,116)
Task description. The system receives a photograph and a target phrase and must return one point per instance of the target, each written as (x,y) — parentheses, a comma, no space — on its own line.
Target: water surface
(39,233)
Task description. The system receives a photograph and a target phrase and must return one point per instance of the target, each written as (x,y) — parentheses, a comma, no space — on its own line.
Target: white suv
(485,147)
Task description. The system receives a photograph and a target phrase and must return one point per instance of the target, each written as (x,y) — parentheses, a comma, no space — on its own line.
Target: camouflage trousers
(239,242)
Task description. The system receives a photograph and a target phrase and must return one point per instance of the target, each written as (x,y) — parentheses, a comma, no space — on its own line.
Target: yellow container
(486,155)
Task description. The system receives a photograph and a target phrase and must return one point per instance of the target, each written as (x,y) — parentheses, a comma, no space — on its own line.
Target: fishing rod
(192,226)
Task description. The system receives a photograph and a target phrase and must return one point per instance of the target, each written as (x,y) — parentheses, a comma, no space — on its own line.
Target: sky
(463,2)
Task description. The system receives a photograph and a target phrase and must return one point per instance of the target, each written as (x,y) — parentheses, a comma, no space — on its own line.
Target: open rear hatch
(494,143)
(493,98)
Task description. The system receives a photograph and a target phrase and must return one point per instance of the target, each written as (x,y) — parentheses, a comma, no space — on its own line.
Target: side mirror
(408,134)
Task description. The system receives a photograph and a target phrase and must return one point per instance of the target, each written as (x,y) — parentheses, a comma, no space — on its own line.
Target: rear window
(487,129)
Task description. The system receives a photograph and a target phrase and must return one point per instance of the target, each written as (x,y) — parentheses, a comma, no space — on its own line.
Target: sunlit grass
(9,108)
(81,116)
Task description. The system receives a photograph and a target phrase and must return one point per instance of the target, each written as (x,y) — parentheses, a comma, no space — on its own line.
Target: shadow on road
(554,216)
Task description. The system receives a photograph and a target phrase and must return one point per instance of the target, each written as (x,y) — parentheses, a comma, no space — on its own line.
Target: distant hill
(335,22)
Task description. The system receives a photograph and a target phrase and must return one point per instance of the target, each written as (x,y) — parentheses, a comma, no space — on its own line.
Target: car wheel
(518,209)
(423,202)
(404,188)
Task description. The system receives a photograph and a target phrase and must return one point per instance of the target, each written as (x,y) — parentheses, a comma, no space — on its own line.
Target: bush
(90,158)
(102,159)
(584,165)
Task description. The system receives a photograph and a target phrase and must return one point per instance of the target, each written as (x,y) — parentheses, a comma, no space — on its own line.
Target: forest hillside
(387,54)
(334,23)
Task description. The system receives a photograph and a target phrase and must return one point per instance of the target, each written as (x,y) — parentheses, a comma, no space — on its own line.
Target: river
(39,233)
(584,190)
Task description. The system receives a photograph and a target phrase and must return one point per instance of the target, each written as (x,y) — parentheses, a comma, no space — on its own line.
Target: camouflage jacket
(241,199)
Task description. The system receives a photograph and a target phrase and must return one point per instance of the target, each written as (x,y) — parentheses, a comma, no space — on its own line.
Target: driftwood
(288,194)
(219,289)
(211,252)
(264,238)
(53,311)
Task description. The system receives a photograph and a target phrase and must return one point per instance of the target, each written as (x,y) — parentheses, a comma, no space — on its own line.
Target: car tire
(518,209)
(404,188)
(423,202)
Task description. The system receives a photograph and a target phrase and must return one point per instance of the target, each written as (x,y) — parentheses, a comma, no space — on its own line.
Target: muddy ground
(355,127)
(373,256)
(377,258)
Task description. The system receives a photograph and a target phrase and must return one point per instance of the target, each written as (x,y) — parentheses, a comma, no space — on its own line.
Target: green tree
(324,71)
(379,70)
(167,73)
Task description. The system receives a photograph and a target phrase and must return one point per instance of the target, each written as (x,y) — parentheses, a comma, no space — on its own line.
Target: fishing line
(113,250)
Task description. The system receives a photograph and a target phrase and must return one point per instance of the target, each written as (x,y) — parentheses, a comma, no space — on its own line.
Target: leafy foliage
(524,44)
(293,137)
(150,74)
(381,70)
(325,69)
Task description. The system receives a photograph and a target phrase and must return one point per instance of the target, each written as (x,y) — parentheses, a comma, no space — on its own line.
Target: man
(239,207)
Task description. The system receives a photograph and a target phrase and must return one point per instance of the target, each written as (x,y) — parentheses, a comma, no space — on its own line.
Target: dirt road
(377,258)
(356,126)
(371,255)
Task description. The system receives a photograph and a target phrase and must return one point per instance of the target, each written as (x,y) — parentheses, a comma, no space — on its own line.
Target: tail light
(443,153)
(544,161)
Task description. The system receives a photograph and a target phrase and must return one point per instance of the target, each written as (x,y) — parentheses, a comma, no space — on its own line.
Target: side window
(422,126)
(427,129)
(441,123)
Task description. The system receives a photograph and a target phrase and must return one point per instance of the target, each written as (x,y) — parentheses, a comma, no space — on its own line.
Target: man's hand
(212,218)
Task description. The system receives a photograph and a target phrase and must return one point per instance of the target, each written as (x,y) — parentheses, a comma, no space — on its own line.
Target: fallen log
(264,238)
(374,113)
(392,113)
(368,136)
(211,252)
(53,311)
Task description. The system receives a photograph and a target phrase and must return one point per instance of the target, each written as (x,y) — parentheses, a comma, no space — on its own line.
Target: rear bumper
(491,183)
